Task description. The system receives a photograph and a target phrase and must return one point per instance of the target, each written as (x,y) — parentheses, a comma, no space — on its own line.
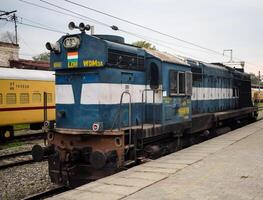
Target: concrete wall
(8,52)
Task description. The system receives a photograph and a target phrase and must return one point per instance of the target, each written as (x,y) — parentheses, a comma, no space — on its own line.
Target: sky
(213,24)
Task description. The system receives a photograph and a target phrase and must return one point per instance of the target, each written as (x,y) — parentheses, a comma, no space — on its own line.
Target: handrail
(143,110)
(129,116)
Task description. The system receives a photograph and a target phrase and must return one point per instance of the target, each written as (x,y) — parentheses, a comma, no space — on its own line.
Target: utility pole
(8,18)
(231,61)
(14,17)
(231,53)
(259,80)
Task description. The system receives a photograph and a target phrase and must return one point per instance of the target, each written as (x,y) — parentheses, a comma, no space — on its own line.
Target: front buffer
(78,158)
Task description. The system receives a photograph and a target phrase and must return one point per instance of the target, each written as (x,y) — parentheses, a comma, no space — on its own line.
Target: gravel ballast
(22,181)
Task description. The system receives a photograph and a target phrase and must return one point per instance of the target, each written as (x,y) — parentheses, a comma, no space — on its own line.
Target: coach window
(154,76)
(1,99)
(24,98)
(36,98)
(10,98)
(49,97)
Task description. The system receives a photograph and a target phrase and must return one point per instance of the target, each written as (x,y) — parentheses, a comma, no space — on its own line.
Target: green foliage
(21,126)
(144,44)
(12,144)
(42,57)
(254,79)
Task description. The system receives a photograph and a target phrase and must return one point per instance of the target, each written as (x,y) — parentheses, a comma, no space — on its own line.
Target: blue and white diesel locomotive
(117,104)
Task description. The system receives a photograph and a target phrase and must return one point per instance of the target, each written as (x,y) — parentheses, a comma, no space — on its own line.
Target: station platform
(228,167)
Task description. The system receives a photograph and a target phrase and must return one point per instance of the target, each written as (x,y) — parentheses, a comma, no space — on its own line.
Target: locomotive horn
(83,27)
(71,26)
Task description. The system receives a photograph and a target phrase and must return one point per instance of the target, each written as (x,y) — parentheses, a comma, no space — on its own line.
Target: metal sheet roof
(26,74)
(167,57)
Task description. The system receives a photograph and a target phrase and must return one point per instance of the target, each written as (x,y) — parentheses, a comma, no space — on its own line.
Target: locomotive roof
(166,57)
(26,74)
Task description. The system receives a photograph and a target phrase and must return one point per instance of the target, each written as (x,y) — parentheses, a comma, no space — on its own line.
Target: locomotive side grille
(125,60)
(197,73)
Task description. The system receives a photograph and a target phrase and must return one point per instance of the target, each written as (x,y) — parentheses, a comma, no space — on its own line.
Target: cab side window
(180,83)
(173,82)
(181,79)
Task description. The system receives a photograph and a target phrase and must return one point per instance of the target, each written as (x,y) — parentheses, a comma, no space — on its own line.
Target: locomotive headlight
(71,42)
(53,47)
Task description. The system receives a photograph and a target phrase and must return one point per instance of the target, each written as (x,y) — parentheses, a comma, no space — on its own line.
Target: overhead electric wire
(25,43)
(34,22)
(38,27)
(65,9)
(142,26)
(50,9)
(83,17)
(107,25)
(184,54)
(150,29)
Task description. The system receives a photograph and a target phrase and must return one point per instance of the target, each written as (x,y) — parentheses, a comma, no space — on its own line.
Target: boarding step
(129,146)
(129,163)
(149,130)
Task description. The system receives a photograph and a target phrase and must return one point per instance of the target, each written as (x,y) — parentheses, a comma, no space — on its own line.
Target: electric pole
(9,17)
(259,81)
(14,18)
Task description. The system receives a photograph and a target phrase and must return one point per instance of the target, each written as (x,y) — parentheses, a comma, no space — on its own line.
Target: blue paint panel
(102,75)
(204,106)
(172,104)
(83,116)
(91,48)
(173,109)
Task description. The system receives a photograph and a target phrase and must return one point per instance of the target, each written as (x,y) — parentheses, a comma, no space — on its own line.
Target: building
(9,57)
(29,64)
(8,51)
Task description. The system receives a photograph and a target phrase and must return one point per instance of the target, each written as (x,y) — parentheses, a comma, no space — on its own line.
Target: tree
(144,44)
(8,37)
(42,57)
(254,78)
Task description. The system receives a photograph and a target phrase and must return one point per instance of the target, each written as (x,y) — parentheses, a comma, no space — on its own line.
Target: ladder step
(129,163)
(129,146)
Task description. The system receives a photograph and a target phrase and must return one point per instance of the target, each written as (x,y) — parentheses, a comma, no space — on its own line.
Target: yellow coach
(22,98)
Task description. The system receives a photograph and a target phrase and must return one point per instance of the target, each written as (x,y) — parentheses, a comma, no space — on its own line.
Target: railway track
(33,136)
(25,137)
(15,159)
(47,193)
